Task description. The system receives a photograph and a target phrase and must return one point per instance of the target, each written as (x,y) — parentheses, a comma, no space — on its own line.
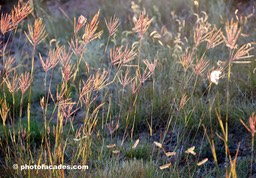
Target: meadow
(140,89)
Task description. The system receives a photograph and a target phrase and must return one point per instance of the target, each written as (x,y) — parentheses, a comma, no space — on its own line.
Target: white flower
(215,76)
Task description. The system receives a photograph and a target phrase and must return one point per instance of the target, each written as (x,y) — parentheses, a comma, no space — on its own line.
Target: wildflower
(215,76)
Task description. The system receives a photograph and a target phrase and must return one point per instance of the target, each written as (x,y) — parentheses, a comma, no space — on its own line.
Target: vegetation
(155,92)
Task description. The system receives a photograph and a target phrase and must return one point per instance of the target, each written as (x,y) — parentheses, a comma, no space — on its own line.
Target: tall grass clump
(61,140)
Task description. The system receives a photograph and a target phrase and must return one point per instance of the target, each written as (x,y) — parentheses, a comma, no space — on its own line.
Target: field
(151,88)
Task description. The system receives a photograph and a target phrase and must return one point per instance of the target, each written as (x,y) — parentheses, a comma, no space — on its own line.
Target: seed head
(142,24)
(90,30)
(36,33)
(232,32)
(24,82)
(79,24)
(201,65)
(252,122)
(112,25)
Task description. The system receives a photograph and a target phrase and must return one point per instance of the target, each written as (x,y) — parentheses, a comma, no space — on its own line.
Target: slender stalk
(139,55)
(227,111)
(21,103)
(252,156)
(30,90)
(107,44)
(45,104)
(13,107)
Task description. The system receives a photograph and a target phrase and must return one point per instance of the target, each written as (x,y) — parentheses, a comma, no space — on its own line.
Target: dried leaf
(135,144)
(158,144)
(170,153)
(191,150)
(165,166)
(111,146)
(202,162)
(116,151)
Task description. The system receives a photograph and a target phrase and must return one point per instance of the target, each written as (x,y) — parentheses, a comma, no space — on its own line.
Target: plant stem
(227,109)
(252,156)
(30,90)
(21,103)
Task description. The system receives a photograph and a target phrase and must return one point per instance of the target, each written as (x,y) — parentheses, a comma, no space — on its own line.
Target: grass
(129,98)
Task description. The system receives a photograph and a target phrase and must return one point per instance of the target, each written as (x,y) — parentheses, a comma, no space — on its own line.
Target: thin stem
(139,55)
(45,103)
(30,89)
(107,44)
(13,107)
(21,103)
(252,156)
(227,109)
